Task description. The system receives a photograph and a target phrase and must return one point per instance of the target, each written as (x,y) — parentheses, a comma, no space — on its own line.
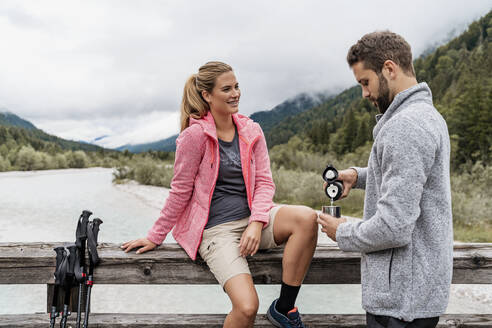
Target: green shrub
(107,162)
(306,188)
(298,187)
(77,159)
(472,197)
(3,150)
(60,161)
(4,164)
(144,172)
(28,159)
(163,175)
(47,162)
(121,173)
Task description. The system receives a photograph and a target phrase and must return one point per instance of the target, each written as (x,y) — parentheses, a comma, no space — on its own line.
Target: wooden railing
(34,263)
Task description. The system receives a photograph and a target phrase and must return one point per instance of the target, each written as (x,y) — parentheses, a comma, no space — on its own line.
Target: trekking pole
(69,275)
(54,303)
(92,233)
(80,267)
(80,277)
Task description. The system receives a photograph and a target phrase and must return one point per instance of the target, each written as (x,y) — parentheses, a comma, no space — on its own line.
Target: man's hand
(348,178)
(250,240)
(329,224)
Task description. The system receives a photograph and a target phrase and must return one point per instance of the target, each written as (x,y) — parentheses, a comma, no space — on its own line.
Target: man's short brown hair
(373,49)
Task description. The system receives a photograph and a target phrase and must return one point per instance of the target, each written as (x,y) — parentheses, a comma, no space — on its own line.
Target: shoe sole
(272,320)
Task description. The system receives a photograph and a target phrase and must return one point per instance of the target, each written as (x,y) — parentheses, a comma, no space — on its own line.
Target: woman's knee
(249,307)
(295,220)
(306,218)
(243,296)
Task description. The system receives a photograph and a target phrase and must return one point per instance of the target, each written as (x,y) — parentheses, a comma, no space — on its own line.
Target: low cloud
(108,64)
(143,128)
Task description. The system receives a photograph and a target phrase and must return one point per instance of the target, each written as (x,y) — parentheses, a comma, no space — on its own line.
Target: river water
(45,205)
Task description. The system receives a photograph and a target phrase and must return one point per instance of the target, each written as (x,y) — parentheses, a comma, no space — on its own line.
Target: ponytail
(192,105)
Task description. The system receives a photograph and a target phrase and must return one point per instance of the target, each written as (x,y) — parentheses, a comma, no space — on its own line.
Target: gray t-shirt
(229,201)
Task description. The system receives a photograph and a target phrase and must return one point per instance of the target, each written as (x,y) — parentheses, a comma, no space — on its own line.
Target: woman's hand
(250,240)
(144,243)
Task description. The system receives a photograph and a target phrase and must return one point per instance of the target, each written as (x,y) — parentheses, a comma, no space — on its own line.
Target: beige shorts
(220,247)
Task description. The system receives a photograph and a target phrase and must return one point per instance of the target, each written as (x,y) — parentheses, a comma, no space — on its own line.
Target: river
(45,206)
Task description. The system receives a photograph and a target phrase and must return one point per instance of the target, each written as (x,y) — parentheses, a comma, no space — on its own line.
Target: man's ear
(390,69)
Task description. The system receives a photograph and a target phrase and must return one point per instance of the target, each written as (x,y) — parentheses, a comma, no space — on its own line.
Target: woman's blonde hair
(193,104)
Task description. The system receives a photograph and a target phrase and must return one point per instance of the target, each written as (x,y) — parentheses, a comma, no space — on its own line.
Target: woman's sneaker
(292,320)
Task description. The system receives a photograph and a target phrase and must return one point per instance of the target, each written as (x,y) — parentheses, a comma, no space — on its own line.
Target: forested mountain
(25,147)
(460,76)
(300,103)
(10,119)
(168,144)
(321,124)
(16,132)
(267,120)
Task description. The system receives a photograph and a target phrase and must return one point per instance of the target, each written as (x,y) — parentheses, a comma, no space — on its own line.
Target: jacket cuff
(361,177)
(262,220)
(156,238)
(343,236)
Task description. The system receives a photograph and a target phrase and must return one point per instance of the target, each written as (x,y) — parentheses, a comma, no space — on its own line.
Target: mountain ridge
(23,131)
(267,120)
(459,75)
(7,118)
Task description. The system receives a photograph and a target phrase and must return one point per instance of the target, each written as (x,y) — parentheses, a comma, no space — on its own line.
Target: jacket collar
(245,127)
(419,92)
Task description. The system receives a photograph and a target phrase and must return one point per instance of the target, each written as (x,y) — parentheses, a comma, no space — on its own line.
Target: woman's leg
(296,226)
(220,249)
(244,298)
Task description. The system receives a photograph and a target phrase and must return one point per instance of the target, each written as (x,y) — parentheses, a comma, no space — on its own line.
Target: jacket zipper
(213,155)
(211,192)
(390,268)
(248,186)
(250,200)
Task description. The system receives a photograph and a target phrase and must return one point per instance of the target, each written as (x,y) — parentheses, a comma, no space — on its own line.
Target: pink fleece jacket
(196,168)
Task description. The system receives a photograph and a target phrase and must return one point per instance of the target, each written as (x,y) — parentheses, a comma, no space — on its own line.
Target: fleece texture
(406,235)
(196,170)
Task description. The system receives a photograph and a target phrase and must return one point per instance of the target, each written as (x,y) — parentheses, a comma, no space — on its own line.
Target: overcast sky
(83,69)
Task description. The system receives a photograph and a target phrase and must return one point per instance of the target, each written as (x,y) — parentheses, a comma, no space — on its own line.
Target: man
(406,235)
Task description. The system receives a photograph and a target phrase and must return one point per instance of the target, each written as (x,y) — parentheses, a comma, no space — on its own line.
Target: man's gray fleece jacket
(406,235)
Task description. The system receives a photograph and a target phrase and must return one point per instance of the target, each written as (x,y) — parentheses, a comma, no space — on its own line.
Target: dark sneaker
(292,320)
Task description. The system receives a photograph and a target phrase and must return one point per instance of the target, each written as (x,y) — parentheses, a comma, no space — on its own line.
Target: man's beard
(383,101)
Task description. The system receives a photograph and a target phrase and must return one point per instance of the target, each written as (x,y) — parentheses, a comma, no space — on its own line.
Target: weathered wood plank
(215,320)
(472,263)
(33,263)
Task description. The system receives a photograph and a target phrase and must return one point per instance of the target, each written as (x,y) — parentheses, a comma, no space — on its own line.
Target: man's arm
(406,153)
(361,177)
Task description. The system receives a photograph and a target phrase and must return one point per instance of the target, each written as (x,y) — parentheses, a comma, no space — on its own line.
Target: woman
(220,202)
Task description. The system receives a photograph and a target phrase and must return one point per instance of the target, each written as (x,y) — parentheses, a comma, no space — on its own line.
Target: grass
(297,176)
(474,234)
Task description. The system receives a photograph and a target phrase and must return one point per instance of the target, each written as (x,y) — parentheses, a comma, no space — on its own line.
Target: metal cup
(331,210)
